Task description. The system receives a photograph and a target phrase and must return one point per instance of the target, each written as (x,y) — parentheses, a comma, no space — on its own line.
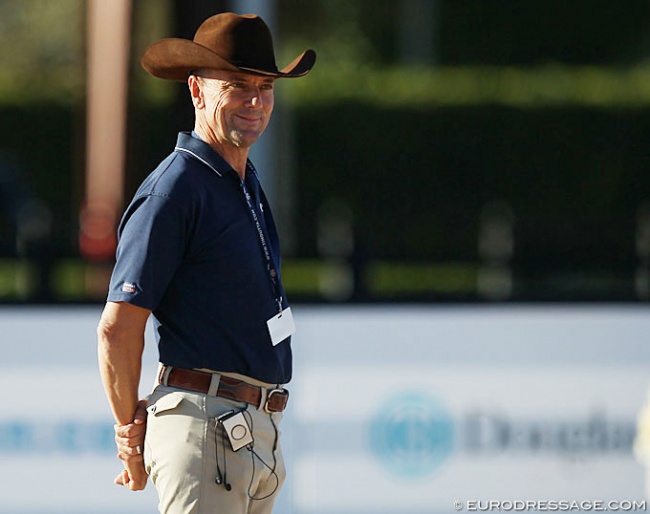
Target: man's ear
(196,91)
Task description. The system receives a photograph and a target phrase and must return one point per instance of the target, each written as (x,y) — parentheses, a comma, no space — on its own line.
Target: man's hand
(130,446)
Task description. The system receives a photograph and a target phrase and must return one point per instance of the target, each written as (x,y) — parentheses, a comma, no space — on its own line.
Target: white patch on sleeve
(128,287)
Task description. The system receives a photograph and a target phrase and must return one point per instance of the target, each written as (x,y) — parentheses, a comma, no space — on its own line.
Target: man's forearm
(120,369)
(120,345)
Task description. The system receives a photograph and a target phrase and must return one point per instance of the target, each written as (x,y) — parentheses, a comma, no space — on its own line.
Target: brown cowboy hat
(225,41)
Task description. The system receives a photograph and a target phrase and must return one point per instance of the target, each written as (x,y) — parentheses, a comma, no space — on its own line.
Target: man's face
(238,106)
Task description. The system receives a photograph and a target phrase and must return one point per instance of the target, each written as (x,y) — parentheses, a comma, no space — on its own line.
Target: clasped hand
(129,439)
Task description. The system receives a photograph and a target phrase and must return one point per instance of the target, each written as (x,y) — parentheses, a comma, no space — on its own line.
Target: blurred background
(441,149)
(462,193)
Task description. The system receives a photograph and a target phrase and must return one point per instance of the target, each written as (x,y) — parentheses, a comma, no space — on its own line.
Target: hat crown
(225,41)
(244,41)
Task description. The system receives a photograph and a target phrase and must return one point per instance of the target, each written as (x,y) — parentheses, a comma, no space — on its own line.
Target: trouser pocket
(175,446)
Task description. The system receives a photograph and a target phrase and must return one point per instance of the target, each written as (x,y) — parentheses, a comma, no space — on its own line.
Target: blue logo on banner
(67,437)
(412,434)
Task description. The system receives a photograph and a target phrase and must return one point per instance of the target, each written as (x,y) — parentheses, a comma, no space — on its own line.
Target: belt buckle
(268,398)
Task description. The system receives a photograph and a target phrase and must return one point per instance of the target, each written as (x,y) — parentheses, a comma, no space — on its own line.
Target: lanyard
(270,265)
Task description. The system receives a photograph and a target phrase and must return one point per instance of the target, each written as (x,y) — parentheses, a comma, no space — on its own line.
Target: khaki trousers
(184,442)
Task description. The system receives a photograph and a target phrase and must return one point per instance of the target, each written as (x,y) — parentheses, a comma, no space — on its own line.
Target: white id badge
(281,326)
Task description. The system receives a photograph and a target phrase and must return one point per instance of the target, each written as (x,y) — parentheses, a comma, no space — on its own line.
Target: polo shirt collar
(200,150)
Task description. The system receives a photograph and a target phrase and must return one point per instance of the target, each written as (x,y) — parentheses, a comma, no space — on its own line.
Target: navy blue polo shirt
(189,251)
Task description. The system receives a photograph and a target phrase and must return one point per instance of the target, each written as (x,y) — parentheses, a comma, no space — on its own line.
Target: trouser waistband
(270,400)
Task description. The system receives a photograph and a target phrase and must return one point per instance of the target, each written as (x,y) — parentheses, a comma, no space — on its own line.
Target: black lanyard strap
(268,257)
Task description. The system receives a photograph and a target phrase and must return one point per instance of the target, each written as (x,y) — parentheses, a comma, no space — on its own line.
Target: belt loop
(164,374)
(264,393)
(214,384)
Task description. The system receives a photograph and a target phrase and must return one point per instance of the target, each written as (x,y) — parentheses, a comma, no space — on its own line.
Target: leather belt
(231,388)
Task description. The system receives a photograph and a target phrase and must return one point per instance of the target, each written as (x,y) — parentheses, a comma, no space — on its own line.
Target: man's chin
(244,139)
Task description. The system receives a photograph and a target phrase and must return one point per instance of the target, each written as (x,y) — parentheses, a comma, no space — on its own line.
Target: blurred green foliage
(41,55)
(509,52)
(542,86)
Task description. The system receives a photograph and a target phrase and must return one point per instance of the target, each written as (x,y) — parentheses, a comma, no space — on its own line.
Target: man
(198,248)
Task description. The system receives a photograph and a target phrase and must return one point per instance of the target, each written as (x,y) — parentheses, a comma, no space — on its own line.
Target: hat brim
(175,59)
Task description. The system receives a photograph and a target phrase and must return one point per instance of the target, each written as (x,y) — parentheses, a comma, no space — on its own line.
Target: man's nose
(255,97)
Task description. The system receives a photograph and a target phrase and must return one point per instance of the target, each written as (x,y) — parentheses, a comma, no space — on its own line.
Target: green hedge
(415,179)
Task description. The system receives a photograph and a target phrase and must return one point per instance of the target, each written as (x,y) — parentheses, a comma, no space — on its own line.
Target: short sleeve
(152,242)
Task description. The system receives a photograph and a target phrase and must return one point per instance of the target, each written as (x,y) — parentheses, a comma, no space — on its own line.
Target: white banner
(392,410)
(433,409)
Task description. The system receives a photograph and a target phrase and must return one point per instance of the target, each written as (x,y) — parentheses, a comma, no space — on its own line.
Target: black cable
(254,454)
(221,479)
